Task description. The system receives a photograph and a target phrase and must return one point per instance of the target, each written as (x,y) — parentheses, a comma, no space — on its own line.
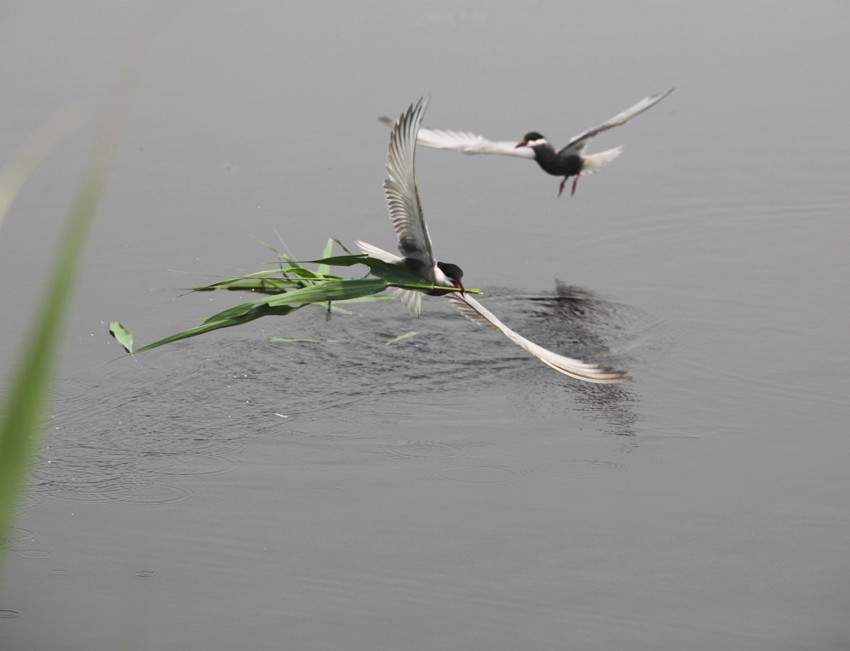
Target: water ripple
(424,450)
(190,413)
(479,474)
(581,469)
(151,494)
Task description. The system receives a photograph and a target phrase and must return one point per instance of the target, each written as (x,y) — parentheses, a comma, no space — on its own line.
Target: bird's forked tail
(593,162)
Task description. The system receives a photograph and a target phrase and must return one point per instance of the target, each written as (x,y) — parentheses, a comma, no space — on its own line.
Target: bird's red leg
(563,183)
(575,182)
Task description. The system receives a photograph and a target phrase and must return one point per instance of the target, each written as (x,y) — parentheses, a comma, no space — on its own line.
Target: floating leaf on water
(122,336)
(406,335)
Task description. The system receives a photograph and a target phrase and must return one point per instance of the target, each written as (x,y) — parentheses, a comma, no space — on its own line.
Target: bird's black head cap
(452,271)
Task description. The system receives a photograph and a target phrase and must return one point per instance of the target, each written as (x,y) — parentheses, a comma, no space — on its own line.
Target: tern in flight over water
(571,160)
(414,245)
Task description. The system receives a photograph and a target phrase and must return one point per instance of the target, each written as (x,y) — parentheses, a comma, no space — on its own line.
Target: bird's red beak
(459,285)
(521,143)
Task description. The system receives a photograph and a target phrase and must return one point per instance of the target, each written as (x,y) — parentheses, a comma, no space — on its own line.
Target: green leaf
(209,325)
(284,294)
(301,272)
(340,289)
(406,335)
(278,305)
(384,270)
(259,286)
(325,269)
(122,336)
(258,276)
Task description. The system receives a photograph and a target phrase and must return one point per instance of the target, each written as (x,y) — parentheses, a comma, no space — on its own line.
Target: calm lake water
(445,491)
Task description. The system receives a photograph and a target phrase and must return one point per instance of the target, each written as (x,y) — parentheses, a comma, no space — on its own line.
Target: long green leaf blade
(325,269)
(25,159)
(209,326)
(281,304)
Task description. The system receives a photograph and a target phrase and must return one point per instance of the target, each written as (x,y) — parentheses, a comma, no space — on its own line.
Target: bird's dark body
(414,265)
(552,162)
(558,165)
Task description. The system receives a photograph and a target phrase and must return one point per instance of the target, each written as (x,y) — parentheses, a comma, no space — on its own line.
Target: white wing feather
(470,143)
(575,368)
(579,142)
(400,187)
(465,142)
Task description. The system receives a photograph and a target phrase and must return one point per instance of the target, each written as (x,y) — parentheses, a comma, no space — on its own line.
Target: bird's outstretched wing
(465,142)
(400,187)
(579,142)
(575,368)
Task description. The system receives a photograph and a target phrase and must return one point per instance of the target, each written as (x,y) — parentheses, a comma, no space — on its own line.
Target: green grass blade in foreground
(25,159)
(26,403)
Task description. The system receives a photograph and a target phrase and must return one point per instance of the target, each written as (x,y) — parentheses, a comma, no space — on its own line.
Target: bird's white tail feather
(593,162)
(410,297)
(375,252)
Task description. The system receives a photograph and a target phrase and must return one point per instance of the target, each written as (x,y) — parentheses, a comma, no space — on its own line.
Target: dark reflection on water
(577,320)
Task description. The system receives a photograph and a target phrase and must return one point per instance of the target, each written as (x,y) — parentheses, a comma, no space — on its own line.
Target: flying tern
(570,160)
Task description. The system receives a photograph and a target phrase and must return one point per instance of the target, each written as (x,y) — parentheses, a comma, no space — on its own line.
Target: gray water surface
(446,491)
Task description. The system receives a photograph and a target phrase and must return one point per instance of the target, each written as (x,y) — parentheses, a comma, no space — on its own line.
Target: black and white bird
(571,160)
(414,245)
